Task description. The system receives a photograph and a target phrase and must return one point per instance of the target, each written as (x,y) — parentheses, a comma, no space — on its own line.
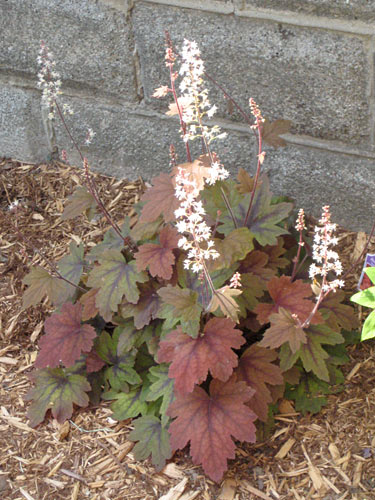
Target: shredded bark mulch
(327,456)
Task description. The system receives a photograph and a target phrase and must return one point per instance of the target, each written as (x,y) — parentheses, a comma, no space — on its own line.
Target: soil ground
(327,456)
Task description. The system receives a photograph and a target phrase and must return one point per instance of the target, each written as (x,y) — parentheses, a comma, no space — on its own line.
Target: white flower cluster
(89,136)
(49,81)
(217,173)
(300,222)
(14,206)
(235,281)
(190,216)
(322,254)
(195,96)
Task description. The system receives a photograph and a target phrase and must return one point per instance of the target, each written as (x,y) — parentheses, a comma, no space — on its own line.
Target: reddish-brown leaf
(284,328)
(89,306)
(160,199)
(65,339)
(256,369)
(274,252)
(159,258)
(341,315)
(93,362)
(252,288)
(209,421)
(246,183)
(291,295)
(147,307)
(256,263)
(192,358)
(271,132)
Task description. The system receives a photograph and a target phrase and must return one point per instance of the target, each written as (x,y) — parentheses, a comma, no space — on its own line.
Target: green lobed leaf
(337,354)
(311,353)
(153,439)
(252,288)
(115,278)
(71,266)
(128,336)
(97,382)
(56,389)
(191,280)
(288,358)
(128,405)
(183,308)
(121,361)
(145,230)
(111,241)
(41,283)
(264,217)
(309,394)
(313,358)
(80,201)
(352,337)
(151,336)
(214,201)
(232,248)
(161,387)
(336,378)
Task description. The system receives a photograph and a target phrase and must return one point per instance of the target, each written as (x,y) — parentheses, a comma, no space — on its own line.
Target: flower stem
(173,88)
(296,259)
(250,123)
(259,164)
(90,183)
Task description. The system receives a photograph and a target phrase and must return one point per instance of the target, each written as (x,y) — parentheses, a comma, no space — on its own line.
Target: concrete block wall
(310,61)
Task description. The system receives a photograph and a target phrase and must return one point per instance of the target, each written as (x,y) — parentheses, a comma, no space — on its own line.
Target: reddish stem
(296,259)
(90,183)
(173,89)
(258,123)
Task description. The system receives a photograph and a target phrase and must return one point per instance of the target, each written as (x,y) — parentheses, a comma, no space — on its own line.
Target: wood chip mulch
(326,456)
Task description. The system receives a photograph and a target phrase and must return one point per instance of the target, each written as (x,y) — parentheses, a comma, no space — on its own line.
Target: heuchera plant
(198,317)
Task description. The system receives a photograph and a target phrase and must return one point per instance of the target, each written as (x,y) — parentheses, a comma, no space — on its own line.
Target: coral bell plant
(195,319)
